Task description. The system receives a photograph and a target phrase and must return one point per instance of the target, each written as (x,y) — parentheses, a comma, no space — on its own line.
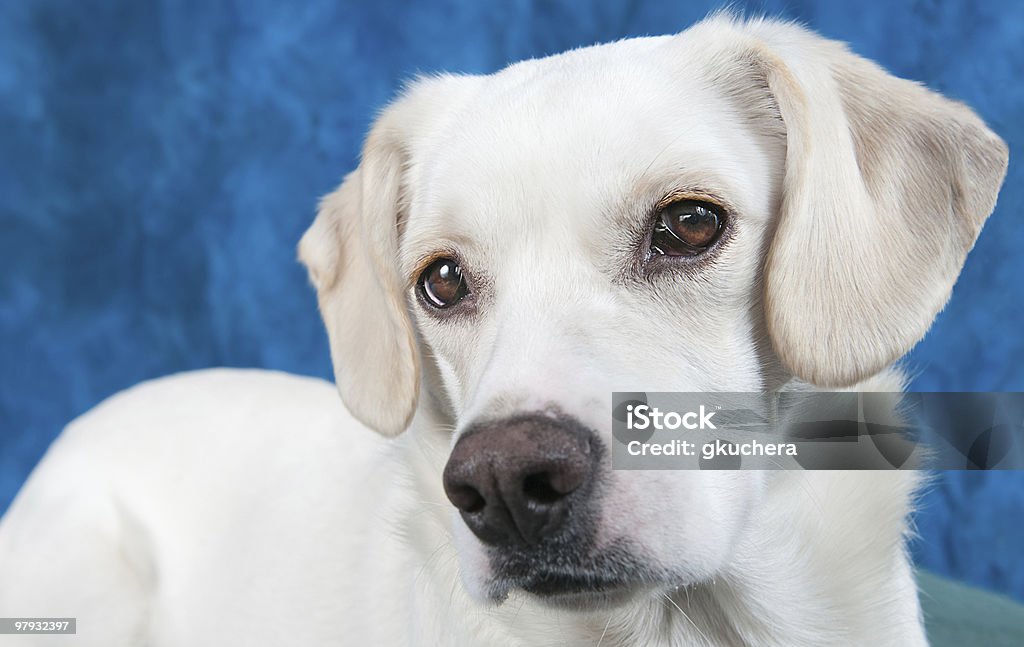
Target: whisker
(440,505)
(433,555)
(515,616)
(688,619)
(605,632)
(662,152)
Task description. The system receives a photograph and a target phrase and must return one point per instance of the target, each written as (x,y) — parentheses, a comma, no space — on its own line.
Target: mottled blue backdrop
(159,160)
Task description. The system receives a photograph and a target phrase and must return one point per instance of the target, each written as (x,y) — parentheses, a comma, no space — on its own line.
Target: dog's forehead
(562,146)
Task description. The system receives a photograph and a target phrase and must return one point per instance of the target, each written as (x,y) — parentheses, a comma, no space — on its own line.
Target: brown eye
(442,284)
(686,228)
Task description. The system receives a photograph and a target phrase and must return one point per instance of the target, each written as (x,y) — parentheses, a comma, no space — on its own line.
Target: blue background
(159,161)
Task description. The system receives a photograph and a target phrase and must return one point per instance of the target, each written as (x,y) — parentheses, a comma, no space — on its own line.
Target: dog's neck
(829,569)
(823,561)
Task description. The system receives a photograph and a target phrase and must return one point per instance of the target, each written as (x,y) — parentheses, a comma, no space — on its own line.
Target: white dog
(738,207)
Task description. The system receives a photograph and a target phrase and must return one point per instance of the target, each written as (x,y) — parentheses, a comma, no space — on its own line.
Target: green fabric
(957,615)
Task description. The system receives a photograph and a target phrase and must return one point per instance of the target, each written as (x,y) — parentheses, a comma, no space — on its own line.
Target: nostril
(538,488)
(467,498)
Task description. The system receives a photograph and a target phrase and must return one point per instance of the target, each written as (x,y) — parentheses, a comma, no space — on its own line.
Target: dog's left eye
(686,228)
(442,284)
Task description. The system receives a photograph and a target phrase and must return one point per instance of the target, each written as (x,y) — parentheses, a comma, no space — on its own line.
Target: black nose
(517,481)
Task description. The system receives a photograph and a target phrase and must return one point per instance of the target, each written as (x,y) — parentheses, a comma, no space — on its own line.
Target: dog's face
(716,211)
(613,243)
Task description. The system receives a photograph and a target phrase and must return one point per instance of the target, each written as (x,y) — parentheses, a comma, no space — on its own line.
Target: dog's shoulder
(185,442)
(200,412)
(129,496)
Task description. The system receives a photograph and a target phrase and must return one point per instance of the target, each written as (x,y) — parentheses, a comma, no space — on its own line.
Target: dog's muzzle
(523,481)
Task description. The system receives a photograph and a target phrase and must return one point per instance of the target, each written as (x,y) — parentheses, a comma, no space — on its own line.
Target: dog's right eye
(686,228)
(442,284)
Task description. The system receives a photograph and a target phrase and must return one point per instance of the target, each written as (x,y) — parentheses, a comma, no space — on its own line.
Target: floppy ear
(351,252)
(885,190)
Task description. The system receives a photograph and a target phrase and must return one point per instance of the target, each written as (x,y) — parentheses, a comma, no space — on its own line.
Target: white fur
(241,507)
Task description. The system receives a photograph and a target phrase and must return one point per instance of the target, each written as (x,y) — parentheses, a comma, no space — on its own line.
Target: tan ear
(885,190)
(351,252)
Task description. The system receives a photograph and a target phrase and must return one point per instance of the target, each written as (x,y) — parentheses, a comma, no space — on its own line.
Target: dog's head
(720,210)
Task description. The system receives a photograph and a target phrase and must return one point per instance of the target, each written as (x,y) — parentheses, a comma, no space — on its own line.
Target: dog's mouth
(598,579)
(568,590)
(558,584)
